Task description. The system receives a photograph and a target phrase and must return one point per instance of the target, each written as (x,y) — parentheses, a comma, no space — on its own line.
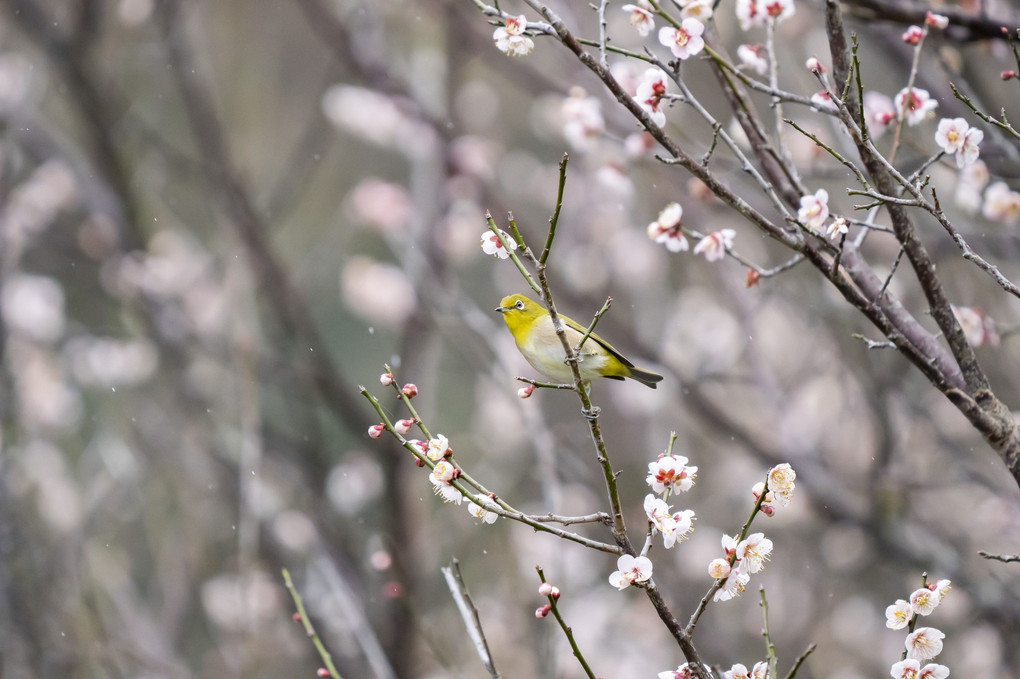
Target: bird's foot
(592,414)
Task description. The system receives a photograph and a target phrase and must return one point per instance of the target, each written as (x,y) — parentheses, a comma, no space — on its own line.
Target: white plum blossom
(697,9)
(1001,204)
(977,327)
(650,93)
(760,670)
(438,448)
(924,643)
(753,56)
(776,10)
(941,588)
(492,246)
(719,568)
(630,570)
(442,474)
(671,472)
(836,228)
(923,601)
(582,119)
(685,41)
(738,671)
(510,38)
(483,510)
(914,105)
(814,209)
(715,245)
(879,111)
(672,526)
(666,229)
(823,100)
(758,12)
(911,669)
(955,136)
(754,551)
(735,583)
(641,17)
(897,615)
(682,672)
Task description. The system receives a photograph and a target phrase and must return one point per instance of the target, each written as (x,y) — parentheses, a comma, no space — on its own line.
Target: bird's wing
(601,342)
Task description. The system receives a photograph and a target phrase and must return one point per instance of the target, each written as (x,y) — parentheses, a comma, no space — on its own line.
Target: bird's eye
(519,304)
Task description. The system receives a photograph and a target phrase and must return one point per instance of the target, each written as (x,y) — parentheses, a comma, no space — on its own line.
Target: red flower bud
(409,390)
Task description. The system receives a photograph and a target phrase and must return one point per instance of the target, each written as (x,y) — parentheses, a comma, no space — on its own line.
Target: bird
(532,328)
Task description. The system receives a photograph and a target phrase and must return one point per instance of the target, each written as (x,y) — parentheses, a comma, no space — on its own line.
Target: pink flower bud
(757,489)
(936,20)
(815,66)
(913,35)
(545,589)
(525,392)
(768,510)
(422,447)
(322,672)
(418,462)
(386,379)
(376,430)
(409,390)
(296,617)
(542,611)
(1007,75)
(555,593)
(403,426)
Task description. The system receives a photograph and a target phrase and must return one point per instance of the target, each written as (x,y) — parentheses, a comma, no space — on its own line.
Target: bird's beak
(502,309)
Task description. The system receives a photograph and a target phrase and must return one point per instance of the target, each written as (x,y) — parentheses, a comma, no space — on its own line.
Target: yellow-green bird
(532,328)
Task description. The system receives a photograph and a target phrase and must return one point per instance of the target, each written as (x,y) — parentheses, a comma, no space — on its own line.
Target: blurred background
(217,219)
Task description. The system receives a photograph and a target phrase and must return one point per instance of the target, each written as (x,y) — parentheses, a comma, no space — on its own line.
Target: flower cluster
(510,38)
(673,525)
(958,138)
(924,643)
(742,560)
(814,211)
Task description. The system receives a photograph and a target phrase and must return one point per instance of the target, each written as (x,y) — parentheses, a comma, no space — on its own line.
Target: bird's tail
(645,377)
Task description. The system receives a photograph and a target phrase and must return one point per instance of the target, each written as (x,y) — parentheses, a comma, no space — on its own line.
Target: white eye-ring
(519,304)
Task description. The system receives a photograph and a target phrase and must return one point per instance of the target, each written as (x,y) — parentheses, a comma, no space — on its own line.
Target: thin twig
(800,661)
(1004,558)
(594,322)
(770,647)
(469,614)
(554,220)
(567,632)
(327,659)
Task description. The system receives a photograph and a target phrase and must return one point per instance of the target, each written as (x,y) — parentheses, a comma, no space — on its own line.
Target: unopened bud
(296,617)
(545,589)
(1007,75)
(386,379)
(526,391)
(403,426)
(753,278)
(719,568)
(815,66)
(322,672)
(555,593)
(757,489)
(409,390)
(542,611)
(936,20)
(418,462)
(768,510)
(913,35)
(376,430)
